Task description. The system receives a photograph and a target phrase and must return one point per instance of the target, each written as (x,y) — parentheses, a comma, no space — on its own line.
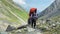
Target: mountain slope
(50,18)
(52,10)
(12,14)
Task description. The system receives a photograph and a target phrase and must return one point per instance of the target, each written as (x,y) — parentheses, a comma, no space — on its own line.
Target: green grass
(5,9)
(18,12)
(56,18)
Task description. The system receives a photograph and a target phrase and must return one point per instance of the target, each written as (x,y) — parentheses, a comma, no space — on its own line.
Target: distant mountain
(11,13)
(52,11)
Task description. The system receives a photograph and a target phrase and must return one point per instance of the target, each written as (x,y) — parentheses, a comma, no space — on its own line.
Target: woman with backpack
(32,17)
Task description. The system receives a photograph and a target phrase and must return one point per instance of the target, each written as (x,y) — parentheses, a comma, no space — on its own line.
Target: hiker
(32,17)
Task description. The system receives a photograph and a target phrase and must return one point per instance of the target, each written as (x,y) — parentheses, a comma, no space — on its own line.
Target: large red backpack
(32,10)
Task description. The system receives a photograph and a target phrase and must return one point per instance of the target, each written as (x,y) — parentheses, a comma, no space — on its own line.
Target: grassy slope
(8,9)
(56,18)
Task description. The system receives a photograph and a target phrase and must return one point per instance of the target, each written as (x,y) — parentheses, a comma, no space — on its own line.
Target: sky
(39,4)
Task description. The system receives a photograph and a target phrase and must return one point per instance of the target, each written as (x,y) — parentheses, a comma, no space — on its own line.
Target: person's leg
(34,24)
(29,21)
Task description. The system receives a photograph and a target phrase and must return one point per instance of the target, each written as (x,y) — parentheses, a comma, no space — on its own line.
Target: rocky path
(33,31)
(28,30)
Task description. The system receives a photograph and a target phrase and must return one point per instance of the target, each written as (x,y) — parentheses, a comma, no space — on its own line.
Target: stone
(10,28)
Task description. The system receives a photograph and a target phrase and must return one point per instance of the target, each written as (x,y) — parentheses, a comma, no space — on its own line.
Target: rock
(34,32)
(54,25)
(23,26)
(30,29)
(10,28)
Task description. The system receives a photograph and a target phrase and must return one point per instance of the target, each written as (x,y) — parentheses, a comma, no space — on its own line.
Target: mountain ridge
(52,10)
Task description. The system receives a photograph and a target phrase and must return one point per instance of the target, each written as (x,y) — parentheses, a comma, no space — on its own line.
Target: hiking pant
(33,24)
